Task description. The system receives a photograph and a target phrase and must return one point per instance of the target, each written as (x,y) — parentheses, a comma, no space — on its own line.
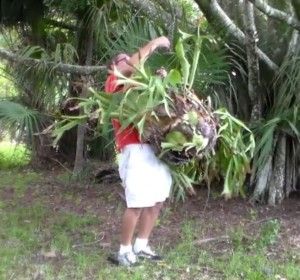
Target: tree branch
(277,14)
(218,18)
(218,238)
(59,67)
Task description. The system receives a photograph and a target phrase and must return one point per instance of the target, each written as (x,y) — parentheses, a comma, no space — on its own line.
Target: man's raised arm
(144,52)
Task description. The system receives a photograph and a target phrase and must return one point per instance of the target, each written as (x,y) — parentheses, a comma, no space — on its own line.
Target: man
(147,181)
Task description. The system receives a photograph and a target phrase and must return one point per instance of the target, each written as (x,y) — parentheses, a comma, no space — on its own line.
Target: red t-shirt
(128,135)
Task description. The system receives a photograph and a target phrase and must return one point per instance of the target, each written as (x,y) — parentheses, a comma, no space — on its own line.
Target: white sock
(125,249)
(140,244)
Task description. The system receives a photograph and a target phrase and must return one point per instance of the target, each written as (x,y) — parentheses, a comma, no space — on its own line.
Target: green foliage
(68,6)
(128,36)
(7,86)
(144,94)
(116,30)
(185,176)
(234,153)
(283,115)
(12,156)
(18,119)
(36,94)
(268,234)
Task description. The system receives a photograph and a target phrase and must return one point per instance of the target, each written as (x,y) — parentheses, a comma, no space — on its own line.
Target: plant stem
(197,51)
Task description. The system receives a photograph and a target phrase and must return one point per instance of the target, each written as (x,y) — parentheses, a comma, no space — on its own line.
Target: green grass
(18,181)
(31,234)
(20,235)
(12,155)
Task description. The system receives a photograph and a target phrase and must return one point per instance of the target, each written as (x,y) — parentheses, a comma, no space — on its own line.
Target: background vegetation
(55,50)
(55,227)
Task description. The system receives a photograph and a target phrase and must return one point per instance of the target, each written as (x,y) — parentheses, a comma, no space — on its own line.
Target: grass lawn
(52,228)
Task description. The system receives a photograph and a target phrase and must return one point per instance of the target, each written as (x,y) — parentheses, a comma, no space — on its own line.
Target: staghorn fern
(151,98)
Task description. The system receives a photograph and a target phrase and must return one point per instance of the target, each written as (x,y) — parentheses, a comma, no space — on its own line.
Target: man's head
(119,62)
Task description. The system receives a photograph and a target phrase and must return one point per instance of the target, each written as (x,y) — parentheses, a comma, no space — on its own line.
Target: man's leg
(126,256)
(147,222)
(129,221)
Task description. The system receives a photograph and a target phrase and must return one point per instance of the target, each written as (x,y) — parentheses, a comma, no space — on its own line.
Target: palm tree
(269,77)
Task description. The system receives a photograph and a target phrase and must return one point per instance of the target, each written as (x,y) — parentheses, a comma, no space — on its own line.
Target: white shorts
(146,179)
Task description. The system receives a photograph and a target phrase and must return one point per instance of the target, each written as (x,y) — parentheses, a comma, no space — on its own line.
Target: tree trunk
(290,169)
(276,185)
(81,130)
(80,150)
(80,141)
(263,179)
(252,60)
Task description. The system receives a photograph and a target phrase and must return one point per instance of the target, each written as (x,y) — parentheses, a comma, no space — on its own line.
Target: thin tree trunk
(290,169)
(251,39)
(277,182)
(81,130)
(80,150)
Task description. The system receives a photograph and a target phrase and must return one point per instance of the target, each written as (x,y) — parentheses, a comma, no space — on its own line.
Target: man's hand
(162,42)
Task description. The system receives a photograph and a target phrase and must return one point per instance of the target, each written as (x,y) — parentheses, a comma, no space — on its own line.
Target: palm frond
(39,86)
(19,120)
(213,66)
(100,15)
(128,36)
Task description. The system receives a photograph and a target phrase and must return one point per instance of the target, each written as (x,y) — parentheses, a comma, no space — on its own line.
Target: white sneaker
(127,259)
(147,253)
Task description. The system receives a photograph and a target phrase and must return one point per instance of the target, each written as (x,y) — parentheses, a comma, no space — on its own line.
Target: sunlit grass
(13,155)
